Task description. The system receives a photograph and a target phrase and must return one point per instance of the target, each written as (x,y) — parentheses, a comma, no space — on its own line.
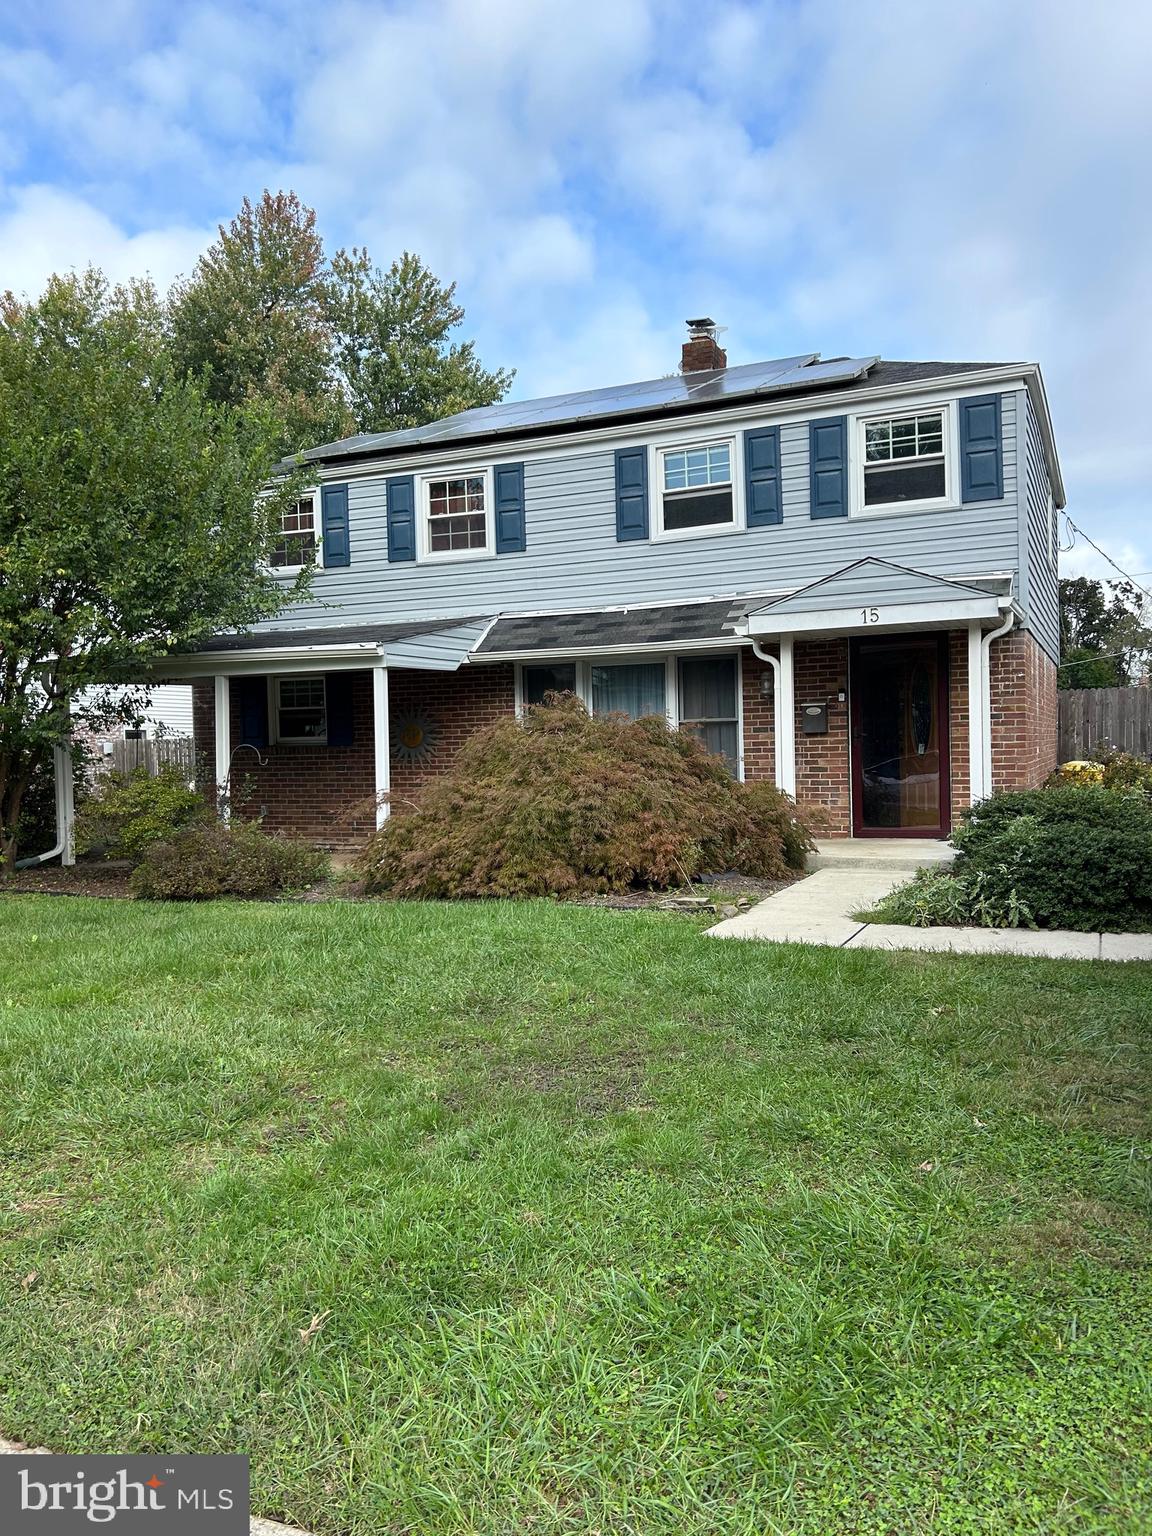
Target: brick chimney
(702,350)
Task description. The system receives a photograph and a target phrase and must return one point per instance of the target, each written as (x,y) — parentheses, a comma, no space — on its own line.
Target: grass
(528,1218)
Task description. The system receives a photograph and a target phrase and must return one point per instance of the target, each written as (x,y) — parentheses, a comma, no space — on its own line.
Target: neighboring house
(841,573)
(168,717)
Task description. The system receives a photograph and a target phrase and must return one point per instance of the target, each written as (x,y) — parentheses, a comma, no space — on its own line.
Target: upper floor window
(457,516)
(296,545)
(696,490)
(905,459)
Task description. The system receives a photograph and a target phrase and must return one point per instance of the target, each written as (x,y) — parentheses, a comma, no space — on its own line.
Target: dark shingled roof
(342,634)
(672,622)
(683,394)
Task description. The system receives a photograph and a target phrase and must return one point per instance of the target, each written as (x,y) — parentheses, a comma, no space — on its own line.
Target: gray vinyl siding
(573,559)
(1039,579)
(866,588)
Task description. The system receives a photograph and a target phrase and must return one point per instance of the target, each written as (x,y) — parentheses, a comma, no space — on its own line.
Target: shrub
(1090,805)
(1070,875)
(1076,858)
(203,862)
(1123,770)
(128,812)
(936,898)
(559,804)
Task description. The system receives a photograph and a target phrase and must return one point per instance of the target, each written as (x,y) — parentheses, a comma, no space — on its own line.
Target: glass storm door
(899,690)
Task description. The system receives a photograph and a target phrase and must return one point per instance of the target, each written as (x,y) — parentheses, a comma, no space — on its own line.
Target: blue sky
(907,177)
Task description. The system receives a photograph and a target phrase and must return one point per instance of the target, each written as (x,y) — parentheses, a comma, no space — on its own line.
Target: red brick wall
(326,794)
(1023,685)
(455,703)
(759,716)
(823,782)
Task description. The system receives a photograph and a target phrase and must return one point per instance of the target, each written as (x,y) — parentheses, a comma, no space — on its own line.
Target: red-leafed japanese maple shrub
(561,804)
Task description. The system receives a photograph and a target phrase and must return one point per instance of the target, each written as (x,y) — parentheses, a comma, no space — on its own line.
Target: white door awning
(873,594)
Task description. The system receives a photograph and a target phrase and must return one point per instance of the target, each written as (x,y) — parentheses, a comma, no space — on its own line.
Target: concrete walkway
(853,874)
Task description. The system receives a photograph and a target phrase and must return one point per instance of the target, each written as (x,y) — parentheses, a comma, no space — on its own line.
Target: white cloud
(44,231)
(910,178)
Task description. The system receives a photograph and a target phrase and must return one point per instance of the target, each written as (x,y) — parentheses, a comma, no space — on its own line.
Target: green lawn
(612,1228)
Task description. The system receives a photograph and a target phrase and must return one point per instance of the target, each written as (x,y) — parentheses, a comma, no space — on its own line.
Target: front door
(899,697)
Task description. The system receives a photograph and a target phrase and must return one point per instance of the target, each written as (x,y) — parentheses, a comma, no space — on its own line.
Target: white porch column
(223,745)
(786,719)
(978,714)
(381,741)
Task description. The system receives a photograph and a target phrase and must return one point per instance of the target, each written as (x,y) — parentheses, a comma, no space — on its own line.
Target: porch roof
(616,629)
(877,594)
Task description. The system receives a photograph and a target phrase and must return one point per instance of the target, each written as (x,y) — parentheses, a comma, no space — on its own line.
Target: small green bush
(128,812)
(936,898)
(1123,770)
(1089,805)
(238,859)
(1069,875)
(563,804)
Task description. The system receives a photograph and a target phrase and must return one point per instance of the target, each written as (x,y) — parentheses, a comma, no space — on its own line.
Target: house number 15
(870,615)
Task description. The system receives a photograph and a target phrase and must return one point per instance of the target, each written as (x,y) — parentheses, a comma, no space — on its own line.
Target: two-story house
(841,573)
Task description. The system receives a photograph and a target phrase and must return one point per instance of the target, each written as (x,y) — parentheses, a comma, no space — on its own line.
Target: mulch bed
(110,879)
(711,894)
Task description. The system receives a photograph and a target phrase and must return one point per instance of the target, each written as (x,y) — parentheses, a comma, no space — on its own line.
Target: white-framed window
(456,515)
(300,710)
(710,703)
(698,693)
(696,488)
(905,460)
(299,540)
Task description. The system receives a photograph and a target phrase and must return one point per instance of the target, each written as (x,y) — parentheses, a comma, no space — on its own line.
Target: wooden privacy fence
(164,752)
(1116,717)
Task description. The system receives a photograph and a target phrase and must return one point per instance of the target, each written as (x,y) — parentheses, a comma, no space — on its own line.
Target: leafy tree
(253,319)
(332,347)
(1082,668)
(130,519)
(1105,637)
(392,349)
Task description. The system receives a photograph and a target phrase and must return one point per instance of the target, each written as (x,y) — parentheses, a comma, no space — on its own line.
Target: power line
(1127,575)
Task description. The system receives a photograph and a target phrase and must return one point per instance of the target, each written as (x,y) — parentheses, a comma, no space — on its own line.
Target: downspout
(783,710)
(62,772)
(986,692)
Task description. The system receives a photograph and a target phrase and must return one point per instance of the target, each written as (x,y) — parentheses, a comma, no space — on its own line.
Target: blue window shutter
(828,447)
(401,495)
(510,538)
(334,525)
(762,503)
(631,494)
(338,708)
(252,696)
(981,449)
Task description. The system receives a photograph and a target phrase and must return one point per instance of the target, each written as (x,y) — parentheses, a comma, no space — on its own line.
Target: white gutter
(986,786)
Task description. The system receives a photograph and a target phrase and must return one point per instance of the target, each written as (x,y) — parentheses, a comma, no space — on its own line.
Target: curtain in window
(708,703)
(629,690)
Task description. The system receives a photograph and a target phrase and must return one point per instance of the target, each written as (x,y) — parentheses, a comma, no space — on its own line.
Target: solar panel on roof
(721,385)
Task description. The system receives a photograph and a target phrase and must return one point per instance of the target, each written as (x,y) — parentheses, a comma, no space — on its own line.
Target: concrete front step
(893,854)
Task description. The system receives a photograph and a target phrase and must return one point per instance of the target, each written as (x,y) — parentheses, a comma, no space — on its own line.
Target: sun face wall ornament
(414,739)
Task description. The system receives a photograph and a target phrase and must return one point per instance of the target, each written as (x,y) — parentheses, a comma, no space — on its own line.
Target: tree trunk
(11,798)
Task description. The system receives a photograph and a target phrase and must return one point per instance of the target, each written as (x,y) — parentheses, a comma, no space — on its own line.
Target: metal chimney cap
(702,327)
